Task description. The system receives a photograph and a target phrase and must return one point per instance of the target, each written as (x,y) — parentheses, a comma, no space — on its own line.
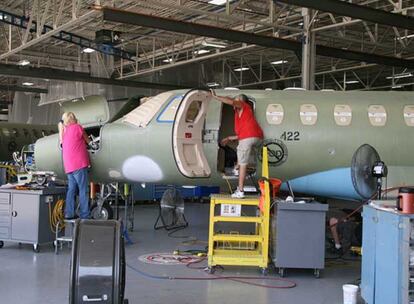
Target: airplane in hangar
(324,143)
(14,136)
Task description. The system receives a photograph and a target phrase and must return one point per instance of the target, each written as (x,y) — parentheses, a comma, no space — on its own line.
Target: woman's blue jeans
(77,183)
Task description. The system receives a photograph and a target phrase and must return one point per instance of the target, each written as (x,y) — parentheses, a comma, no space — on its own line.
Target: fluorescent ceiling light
(88,50)
(405,37)
(351,81)
(232,89)
(200,52)
(214,44)
(168,60)
(268,89)
(217,2)
(213,84)
(397,87)
(28,84)
(279,62)
(241,69)
(23,62)
(1,16)
(403,75)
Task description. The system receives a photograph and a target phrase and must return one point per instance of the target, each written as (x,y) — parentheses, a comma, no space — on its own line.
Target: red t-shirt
(245,125)
(75,154)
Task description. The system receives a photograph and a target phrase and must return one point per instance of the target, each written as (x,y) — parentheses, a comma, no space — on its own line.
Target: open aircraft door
(188,135)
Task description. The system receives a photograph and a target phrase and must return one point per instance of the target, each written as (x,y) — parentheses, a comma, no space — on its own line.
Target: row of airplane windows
(308,113)
(25,132)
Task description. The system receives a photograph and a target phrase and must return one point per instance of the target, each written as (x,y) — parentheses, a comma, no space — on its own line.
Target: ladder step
(249,200)
(238,219)
(237,238)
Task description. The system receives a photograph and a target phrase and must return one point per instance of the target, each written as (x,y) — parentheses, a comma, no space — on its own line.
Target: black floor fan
(171,211)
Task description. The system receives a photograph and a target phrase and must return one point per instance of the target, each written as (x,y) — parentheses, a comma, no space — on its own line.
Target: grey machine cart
(299,236)
(24,215)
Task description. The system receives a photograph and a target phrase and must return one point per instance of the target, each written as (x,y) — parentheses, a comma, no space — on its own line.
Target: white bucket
(350,293)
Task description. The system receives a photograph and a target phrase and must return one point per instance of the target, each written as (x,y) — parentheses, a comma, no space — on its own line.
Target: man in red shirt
(248,133)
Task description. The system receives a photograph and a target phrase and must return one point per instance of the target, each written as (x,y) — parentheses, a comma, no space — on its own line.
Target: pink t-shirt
(75,154)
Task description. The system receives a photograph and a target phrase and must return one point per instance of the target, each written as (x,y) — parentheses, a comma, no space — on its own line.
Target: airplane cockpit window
(142,115)
(193,110)
(343,115)
(409,115)
(377,115)
(168,114)
(308,114)
(274,114)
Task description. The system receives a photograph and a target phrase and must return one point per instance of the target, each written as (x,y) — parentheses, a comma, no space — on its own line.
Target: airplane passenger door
(188,135)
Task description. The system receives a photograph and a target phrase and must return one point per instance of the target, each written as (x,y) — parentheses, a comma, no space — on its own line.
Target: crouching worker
(248,133)
(74,142)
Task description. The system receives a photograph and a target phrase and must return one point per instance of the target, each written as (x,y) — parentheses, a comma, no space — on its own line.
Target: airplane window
(193,111)
(342,115)
(409,115)
(6,132)
(377,115)
(35,133)
(308,114)
(15,132)
(274,114)
(168,114)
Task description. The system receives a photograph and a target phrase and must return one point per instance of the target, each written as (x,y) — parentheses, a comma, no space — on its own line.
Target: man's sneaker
(238,194)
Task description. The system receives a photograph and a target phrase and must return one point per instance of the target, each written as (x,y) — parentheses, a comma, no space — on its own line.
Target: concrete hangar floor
(27,277)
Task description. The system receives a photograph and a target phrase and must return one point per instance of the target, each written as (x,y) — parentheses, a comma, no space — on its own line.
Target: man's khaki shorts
(246,150)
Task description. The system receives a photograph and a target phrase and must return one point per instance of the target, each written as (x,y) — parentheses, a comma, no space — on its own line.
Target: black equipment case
(97,271)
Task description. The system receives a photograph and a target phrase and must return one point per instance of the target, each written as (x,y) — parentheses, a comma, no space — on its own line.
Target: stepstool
(69,226)
(240,249)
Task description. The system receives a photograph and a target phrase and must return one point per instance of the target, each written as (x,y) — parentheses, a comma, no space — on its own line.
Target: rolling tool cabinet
(24,215)
(387,256)
(299,231)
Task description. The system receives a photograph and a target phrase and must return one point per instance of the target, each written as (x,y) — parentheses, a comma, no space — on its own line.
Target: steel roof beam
(171,25)
(343,8)
(17,88)
(23,21)
(49,73)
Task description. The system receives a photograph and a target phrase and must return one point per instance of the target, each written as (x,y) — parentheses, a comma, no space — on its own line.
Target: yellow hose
(56,216)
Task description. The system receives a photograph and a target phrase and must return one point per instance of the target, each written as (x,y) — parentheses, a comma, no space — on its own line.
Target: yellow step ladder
(241,249)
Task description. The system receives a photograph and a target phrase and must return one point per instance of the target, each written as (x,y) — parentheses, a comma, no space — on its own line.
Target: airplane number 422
(290,136)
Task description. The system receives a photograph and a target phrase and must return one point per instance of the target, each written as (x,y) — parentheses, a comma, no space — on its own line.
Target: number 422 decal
(290,136)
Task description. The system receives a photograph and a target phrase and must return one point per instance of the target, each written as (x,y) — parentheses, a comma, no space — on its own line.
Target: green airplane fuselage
(309,133)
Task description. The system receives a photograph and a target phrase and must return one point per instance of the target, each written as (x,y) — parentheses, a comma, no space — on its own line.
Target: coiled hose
(57,216)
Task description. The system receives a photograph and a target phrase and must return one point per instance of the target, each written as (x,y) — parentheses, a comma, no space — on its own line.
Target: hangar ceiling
(55,34)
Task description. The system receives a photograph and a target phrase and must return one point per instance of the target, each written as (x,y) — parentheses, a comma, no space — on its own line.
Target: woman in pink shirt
(76,162)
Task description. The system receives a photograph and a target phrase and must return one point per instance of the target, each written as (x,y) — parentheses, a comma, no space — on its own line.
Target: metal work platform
(240,249)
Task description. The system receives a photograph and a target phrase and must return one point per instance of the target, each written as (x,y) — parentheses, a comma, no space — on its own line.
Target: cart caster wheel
(265,271)
(211,270)
(36,248)
(282,272)
(317,273)
(1,244)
